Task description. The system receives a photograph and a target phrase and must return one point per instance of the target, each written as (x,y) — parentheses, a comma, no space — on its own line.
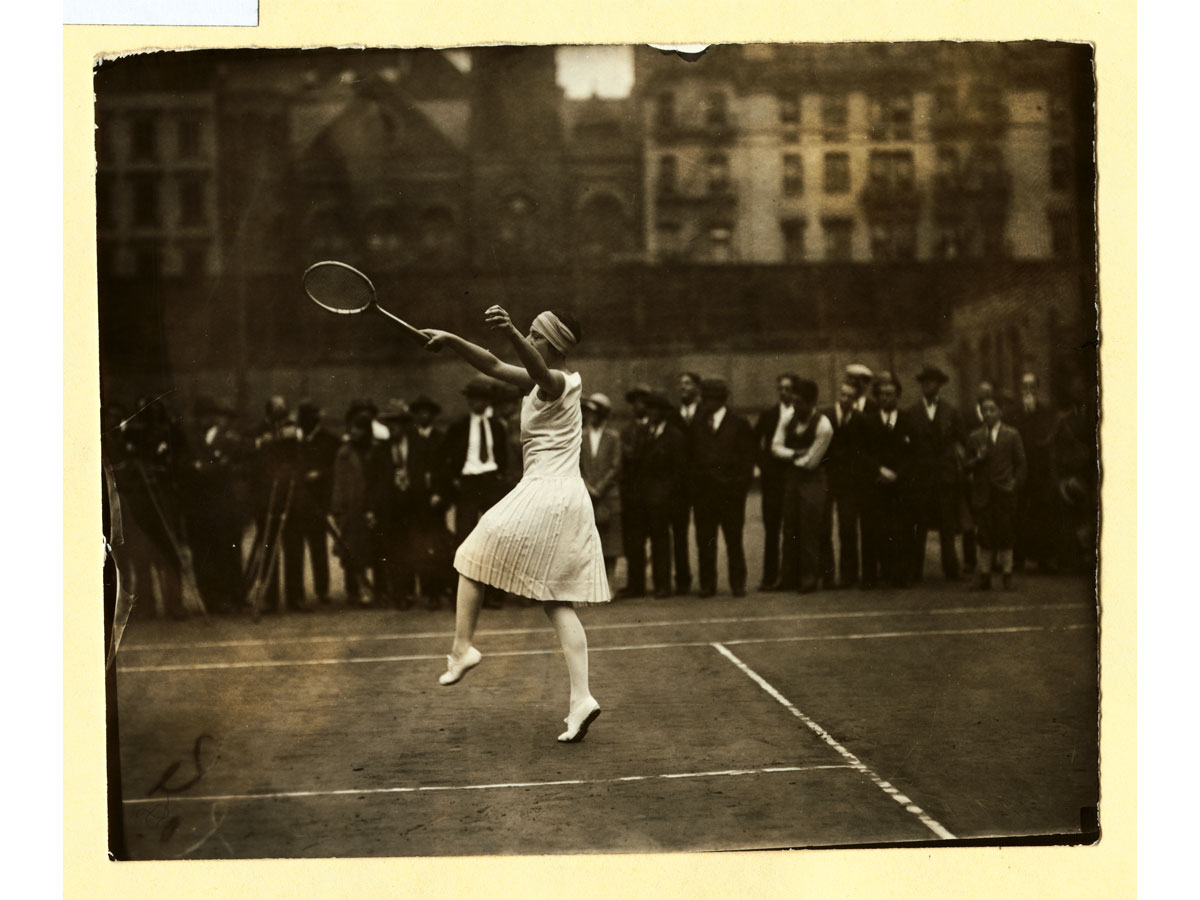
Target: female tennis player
(540,541)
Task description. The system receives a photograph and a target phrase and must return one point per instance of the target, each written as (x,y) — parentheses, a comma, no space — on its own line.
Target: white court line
(425,657)
(416,789)
(600,626)
(855,763)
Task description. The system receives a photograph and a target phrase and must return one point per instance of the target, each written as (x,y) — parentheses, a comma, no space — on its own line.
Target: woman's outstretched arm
(551,383)
(480,358)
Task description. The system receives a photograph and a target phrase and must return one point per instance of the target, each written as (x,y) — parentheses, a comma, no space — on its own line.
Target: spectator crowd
(850,490)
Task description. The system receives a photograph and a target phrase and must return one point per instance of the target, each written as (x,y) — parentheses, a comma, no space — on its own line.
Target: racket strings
(338,287)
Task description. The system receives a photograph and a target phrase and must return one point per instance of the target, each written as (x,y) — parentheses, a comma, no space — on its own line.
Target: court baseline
(426,657)
(927,820)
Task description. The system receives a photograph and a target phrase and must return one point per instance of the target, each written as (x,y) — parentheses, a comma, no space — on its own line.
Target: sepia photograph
(599,449)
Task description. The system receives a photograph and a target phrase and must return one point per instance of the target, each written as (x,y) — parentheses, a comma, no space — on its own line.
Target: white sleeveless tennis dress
(540,541)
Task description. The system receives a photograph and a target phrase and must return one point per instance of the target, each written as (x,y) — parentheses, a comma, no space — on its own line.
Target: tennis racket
(342,289)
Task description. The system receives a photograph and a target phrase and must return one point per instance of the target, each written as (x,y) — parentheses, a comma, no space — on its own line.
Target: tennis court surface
(831,719)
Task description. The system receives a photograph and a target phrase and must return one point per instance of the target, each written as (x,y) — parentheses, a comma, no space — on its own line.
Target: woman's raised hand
(436,339)
(497,318)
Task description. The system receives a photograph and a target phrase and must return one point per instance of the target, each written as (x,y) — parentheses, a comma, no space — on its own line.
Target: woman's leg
(584,709)
(574,644)
(466,614)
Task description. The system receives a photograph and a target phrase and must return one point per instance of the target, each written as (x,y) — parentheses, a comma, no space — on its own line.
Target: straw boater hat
(858,370)
(598,402)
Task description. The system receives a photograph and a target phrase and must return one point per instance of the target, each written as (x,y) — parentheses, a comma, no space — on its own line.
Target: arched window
(439,240)
(329,233)
(387,240)
(603,227)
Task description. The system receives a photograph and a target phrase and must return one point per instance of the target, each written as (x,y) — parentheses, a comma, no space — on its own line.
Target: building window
(834,117)
(891,118)
(793,239)
(892,241)
(189,138)
(192,206)
(147,260)
(992,231)
(1060,117)
(716,110)
(837,173)
(720,243)
(793,175)
(194,258)
(718,173)
(1062,239)
(1060,168)
(145,201)
(385,234)
(789,110)
(945,101)
(665,110)
(892,170)
(143,139)
(839,235)
(439,235)
(668,174)
(948,244)
(603,230)
(947,166)
(670,243)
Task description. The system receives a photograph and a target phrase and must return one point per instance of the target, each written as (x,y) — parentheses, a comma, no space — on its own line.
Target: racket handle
(413,333)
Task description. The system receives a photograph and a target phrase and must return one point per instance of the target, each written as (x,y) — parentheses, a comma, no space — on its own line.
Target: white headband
(553,330)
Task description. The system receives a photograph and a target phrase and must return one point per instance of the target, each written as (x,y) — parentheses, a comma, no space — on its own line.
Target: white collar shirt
(476,464)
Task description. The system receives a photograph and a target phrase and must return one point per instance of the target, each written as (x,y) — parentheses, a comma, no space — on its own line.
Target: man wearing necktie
(685,417)
(937,472)
(996,461)
(770,427)
(886,453)
(722,470)
(476,459)
(1037,511)
(843,468)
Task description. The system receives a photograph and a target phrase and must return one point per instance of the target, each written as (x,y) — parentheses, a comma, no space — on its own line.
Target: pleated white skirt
(540,541)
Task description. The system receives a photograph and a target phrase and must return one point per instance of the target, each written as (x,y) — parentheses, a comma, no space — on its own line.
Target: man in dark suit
(972,420)
(803,445)
(722,469)
(661,479)
(996,460)
(843,469)
(432,542)
(634,512)
(860,378)
(684,418)
(476,458)
(772,424)
(938,438)
(400,510)
(1037,510)
(887,445)
(318,448)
